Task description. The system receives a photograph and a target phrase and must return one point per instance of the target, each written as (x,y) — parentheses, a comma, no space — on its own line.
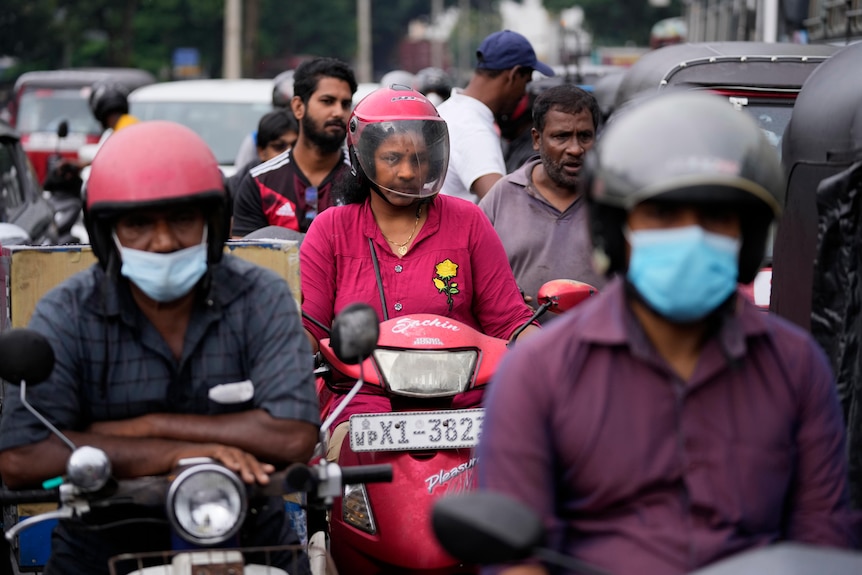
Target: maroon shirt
(637,471)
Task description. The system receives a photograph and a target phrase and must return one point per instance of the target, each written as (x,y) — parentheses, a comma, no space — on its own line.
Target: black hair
(566,98)
(309,73)
(275,124)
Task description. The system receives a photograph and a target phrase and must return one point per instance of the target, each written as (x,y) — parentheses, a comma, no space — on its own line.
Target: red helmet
(152,165)
(421,139)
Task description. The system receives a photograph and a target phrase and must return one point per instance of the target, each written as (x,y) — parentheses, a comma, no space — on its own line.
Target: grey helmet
(684,147)
(399,77)
(282,89)
(433,80)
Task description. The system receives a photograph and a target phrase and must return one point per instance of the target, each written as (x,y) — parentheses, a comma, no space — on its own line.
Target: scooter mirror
(25,355)
(354,333)
(484,528)
(63,129)
(564,294)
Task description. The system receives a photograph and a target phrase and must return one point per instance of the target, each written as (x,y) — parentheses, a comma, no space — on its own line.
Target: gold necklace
(402,248)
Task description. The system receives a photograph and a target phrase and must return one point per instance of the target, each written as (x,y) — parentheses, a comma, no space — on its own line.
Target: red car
(43,99)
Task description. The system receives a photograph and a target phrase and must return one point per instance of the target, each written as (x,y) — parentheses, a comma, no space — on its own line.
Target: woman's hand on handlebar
(241,462)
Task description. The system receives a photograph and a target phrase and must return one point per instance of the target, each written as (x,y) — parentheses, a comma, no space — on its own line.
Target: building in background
(800,21)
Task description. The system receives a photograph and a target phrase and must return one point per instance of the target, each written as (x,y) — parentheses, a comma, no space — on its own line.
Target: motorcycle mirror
(484,528)
(26,358)
(25,355)
(63,129)
(354,333)
(564,294)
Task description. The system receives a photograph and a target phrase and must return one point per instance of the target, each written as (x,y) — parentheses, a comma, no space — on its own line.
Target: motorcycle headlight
(206,504)
(426,373)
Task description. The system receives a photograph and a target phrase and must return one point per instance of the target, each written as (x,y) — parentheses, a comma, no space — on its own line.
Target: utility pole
(770,21)
(232,61)
(464,39)
(436,42)
(363,21)
(249,37)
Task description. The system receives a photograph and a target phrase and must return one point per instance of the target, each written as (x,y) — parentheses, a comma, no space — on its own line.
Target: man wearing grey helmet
(676,423)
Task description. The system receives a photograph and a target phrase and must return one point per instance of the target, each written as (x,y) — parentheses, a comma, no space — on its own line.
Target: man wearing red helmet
(166,349)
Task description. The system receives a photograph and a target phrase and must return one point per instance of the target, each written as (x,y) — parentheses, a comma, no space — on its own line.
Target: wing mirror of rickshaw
(564,294)
(354,333)
(27,358)
(63,129)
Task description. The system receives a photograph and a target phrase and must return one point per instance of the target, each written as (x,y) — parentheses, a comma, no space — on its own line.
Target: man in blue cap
(505,63)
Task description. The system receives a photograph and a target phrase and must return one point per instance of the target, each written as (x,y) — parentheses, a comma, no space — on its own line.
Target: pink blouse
(456,267)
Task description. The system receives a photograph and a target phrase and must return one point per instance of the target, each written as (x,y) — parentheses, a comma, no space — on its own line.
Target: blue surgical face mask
(164,277)
(683,273)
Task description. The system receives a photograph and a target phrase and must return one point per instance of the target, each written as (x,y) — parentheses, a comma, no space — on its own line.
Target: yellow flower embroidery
(446,271)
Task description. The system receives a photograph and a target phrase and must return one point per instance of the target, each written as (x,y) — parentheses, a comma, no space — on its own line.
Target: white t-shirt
(474,144)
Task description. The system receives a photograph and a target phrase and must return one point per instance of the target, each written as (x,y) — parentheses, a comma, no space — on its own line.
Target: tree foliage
(618,22)
(46,34)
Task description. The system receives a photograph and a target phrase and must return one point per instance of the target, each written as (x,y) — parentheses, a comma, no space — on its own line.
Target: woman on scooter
(397,245)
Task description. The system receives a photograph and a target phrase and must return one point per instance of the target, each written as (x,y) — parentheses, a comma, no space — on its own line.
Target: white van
(222,112)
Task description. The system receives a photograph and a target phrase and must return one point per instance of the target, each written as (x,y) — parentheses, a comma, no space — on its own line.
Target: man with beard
(292,188)
(536,210)
(506,61)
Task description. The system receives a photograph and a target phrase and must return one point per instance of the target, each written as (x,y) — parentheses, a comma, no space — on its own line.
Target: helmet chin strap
(376,189)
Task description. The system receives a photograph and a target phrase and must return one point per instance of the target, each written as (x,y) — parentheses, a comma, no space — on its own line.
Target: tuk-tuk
(42,100)
(761,79)
(817,262)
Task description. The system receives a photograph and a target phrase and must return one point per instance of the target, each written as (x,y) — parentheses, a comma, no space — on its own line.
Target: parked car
(43,99)
(25,216)
(761,79)
(222,112)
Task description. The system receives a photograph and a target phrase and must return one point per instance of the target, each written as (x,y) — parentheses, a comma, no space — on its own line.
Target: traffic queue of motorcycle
(400,497)
(378,497)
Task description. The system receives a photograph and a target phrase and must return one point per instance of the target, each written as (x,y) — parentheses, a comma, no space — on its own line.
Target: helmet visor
(404,157)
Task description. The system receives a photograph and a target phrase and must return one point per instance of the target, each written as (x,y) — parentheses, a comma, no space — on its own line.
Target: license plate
(416,430)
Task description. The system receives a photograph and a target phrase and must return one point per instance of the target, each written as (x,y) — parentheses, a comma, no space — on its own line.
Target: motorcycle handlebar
(151,490)
(381,473)
(304,478)
(10,497)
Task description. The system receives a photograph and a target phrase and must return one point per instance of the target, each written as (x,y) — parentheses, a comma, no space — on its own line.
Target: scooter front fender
(401,510)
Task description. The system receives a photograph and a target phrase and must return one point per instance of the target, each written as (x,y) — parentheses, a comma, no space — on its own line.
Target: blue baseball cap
(506,49)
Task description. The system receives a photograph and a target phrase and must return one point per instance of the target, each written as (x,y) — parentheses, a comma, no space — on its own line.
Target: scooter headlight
(207,504)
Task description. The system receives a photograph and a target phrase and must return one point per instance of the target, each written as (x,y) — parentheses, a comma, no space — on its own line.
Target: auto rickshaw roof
(741,65)
(826,125)
(78,77)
